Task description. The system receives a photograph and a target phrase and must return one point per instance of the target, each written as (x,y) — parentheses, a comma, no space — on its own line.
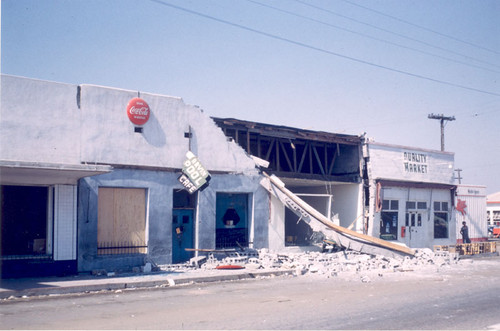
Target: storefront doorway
(182,225)
(26,228)
(231,220)
(416,224)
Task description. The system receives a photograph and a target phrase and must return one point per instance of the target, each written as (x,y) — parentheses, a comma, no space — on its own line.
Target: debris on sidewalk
(327,264)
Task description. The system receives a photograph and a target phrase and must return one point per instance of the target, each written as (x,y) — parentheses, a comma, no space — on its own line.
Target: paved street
(462,297)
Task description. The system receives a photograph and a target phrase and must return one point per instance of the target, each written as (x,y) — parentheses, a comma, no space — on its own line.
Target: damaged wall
(108,136)
(87,124)
(152,160)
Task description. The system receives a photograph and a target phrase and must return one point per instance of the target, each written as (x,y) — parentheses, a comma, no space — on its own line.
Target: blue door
(182,234)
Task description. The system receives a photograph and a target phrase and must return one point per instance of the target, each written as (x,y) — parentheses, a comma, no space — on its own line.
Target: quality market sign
(194,176)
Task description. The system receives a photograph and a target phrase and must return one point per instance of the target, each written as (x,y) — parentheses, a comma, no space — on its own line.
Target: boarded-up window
(121,224)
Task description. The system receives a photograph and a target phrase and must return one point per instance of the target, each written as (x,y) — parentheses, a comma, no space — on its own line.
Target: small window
(441,206)
(390,204)
(411,205)
(422,205)
(440,225)
(441,220)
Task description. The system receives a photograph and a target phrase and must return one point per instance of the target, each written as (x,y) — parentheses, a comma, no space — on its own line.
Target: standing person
(464,231)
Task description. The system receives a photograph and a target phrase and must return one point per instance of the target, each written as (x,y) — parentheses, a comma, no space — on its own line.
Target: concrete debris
(344,263)
(146,268)
(197,261)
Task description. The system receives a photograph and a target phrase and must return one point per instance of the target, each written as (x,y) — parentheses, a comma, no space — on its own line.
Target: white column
(65,201)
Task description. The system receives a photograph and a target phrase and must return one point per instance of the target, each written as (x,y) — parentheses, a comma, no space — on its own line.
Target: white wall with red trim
(470,207)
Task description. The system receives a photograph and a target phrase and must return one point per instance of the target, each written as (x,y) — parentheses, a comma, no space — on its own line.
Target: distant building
(470,208)
(493,209)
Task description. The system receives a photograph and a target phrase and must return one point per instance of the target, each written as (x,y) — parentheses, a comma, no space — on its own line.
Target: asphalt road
(463,297)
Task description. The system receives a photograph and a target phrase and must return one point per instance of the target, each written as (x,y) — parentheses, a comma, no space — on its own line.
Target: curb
(127,284)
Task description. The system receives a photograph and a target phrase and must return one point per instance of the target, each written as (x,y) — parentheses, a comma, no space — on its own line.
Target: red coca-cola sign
(138,111)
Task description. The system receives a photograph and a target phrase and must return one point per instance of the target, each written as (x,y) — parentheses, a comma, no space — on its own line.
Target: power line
(422,27)
(394,33)
(368,36)
(297,43)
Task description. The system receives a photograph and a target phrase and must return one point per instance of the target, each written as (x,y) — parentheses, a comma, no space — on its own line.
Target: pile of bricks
(343,263)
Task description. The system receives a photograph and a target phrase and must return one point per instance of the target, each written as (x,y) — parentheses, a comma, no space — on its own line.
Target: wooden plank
(208,250)
(286,155)
(121,217)
(130,215)
(334,157)
(319,160)
(105,215)
(302,158)
(269,150)
(341,230)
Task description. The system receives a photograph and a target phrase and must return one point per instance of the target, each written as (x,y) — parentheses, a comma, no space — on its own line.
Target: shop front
(412,195)
(38,208)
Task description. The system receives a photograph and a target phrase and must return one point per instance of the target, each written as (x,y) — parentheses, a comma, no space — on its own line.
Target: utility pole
(458,176)
(442,118)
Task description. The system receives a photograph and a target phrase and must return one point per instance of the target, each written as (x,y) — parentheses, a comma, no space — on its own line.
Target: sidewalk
(27,287)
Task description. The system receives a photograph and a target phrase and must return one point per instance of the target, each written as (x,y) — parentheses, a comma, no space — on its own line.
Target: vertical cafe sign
(194,176)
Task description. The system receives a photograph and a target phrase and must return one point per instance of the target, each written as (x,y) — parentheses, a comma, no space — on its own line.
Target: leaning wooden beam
(347,238)
(208,250)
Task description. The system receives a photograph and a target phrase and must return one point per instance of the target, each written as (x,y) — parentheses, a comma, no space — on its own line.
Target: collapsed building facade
(395,193)
(321,168)
(101,178)
(87,186)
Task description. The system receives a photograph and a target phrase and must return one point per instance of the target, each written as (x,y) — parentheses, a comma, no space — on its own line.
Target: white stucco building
(412,195)
(493,209)
(85,188)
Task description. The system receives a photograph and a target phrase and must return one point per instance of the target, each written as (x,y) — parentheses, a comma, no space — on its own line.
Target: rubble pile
(338,264)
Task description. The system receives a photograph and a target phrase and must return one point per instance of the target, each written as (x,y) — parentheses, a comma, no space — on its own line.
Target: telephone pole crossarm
(441,118)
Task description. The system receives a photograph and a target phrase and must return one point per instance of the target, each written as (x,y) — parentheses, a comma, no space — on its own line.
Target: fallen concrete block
(197,261)
(146,268)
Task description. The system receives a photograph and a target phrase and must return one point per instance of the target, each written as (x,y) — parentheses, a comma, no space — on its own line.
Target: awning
(383,183)
(398,183)
(42,173)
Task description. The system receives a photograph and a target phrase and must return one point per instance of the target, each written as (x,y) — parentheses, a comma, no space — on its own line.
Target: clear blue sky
(353,66)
